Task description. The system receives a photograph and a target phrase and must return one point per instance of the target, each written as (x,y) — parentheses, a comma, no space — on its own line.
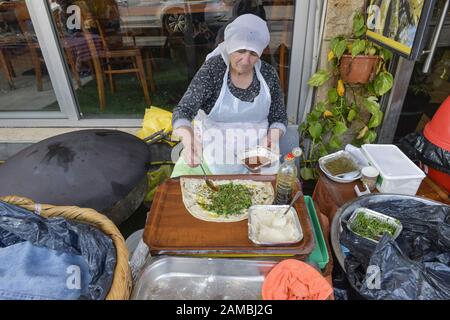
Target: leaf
(315,130)
(335,143)
(331,55)
(375,120)
(358,47)
(319,78)
(307,173)
(372,99)
(340,88)
(359,27)
(320,106)
(372,51)
(370,137)
(339,48)
(362,133)
(327,114)
(332,95)
(322,150)
(340,128)
(302,128)
(313,116)
(371,104)
(336,111)
(386,54)
(383,83)
(370,88)
(351,115)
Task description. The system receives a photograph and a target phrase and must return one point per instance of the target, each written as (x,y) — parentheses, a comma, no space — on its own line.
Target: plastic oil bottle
(286,177)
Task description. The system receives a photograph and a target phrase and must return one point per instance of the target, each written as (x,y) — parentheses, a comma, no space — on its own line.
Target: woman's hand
(272,139)
(192,151)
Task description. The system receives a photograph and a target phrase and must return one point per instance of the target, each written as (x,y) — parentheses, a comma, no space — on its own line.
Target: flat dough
(195,190)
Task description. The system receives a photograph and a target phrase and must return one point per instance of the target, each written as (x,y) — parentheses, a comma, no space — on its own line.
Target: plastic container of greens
(371,225)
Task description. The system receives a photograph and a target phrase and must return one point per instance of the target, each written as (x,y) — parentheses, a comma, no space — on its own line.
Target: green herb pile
(231,199)
(371,228)
(339,166)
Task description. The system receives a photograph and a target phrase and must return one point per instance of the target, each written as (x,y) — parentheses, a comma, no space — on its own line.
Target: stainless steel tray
(183,278)
(252,228)
(376,215)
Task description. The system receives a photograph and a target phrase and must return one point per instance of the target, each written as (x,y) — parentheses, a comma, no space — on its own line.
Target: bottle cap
(297,152)
(289,156)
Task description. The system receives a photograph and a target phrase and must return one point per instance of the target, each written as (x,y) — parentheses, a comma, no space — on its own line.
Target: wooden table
(172,230)
(330,196)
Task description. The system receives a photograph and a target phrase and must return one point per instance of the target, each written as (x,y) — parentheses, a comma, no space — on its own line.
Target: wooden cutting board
(171,229)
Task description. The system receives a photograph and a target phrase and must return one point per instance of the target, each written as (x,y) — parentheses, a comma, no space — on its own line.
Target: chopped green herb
(340,165)
(231,199)
(371,227)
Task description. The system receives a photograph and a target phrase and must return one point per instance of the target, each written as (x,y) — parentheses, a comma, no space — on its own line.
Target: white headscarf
(248,32)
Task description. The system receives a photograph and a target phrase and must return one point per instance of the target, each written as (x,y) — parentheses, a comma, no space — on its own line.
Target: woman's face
(243,60)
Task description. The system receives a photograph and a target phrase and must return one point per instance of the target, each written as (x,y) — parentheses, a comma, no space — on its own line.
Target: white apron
(233,126)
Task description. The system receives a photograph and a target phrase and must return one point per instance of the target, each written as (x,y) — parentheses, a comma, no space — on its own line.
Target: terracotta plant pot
(360,69)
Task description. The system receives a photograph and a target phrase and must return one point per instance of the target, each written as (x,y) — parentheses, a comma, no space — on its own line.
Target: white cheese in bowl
(270,226)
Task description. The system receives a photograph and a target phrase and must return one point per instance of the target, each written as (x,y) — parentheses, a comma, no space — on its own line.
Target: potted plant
(351,112)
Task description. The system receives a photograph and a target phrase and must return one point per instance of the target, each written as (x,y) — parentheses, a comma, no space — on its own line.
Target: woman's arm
(196,96)
(277,114)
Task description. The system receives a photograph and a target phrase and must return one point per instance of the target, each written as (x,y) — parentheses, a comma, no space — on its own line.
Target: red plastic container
(437,131)
(440,178)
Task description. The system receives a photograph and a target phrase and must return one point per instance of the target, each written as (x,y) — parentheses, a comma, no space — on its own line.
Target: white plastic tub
(398,174)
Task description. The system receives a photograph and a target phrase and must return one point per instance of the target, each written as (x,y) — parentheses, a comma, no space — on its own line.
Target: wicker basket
(122,283)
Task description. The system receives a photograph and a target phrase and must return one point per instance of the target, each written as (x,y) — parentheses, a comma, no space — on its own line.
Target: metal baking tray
(376,215)
(252,232)
(183,278)
(324,160)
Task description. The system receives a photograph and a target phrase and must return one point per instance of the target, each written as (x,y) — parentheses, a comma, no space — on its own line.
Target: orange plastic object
(441,178)
(295,280)
(437,131)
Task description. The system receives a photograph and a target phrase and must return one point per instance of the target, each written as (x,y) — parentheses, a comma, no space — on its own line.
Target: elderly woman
(236,100)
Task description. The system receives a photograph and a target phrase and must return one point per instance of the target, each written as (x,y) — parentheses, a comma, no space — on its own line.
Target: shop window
(24,81)
(124,55)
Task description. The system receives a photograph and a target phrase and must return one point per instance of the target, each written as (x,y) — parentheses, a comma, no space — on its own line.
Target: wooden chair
(6,68)
(25,24)
(20,11)
(105,59)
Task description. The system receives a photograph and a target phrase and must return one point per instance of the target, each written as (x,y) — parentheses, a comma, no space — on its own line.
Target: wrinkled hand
(272,139)
(192,151)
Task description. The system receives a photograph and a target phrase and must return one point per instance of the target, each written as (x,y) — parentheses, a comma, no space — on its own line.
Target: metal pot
(105,170)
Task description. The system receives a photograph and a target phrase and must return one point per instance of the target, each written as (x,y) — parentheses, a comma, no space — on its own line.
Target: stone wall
(338,21)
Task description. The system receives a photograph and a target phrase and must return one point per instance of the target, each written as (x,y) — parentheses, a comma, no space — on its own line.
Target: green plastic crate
(319,255)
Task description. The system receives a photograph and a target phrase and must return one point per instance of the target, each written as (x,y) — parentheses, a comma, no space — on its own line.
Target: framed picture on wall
(399,25)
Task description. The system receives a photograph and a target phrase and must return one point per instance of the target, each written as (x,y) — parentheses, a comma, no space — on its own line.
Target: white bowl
(258,152)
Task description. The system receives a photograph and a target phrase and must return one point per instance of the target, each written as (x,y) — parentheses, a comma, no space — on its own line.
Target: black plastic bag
(404,279)
(19,225)
(416,264)
(416,146)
